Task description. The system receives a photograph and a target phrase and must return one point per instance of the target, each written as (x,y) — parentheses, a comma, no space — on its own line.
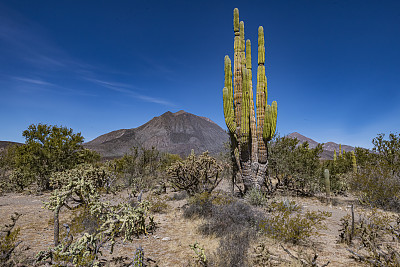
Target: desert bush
(225,218)
(9,241)
(179,195)
(142,168)
(377,186)
(295,166)
(375,238)
(47,149)
(284,205)
(235,221)
(233,249)
(195,174)
(157,203)
(285,224)
(377,182)
(200,205)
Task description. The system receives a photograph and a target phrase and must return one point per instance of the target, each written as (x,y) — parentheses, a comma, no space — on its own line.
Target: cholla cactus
(122,220)
(196,174)
(249,134)
(138,260)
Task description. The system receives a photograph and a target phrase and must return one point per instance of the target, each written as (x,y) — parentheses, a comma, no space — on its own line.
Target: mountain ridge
(328,148)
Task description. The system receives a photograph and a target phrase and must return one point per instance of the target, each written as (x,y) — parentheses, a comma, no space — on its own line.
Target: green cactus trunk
(250,134)
(327,184)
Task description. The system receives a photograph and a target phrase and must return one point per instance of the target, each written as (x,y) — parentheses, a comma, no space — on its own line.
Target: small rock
(166,239)
(156,237)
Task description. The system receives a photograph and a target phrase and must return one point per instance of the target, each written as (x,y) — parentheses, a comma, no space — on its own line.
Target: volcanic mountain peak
(176,133)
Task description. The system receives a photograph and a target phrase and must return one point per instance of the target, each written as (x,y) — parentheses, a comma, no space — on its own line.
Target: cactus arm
(245,123)
(261,97)
(228,98)
(237,68)
(271,113)
(236,20)
(274,110)
(253,126)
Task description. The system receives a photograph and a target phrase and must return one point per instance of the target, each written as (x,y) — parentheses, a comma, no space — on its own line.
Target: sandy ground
(169,245)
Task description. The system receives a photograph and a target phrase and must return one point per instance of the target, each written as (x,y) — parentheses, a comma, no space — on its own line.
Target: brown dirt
(37,233)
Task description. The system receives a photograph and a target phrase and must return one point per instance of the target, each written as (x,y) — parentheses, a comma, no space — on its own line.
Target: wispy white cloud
(28,42)
(33,81)
(127,90)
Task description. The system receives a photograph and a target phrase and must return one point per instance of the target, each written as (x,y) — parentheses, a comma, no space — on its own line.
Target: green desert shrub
(376,186)
(287,223)
(377,182)
(295,166)
(47,149)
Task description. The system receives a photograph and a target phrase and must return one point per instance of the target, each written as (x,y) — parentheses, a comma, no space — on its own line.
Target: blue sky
(98,66)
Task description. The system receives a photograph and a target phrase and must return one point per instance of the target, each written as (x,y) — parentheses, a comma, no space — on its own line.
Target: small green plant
(284,205)
(200,257)
(256,197)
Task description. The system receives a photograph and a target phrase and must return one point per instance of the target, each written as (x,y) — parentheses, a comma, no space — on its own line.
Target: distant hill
(176,133)
(5,144)
(328,148)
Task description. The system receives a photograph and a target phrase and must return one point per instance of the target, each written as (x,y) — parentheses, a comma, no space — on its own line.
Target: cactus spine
(250,128)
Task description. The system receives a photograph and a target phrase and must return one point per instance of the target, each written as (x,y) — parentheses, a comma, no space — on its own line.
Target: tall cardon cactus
(250,128)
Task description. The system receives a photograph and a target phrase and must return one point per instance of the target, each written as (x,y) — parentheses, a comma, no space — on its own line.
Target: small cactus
(354,162)
(327,184)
